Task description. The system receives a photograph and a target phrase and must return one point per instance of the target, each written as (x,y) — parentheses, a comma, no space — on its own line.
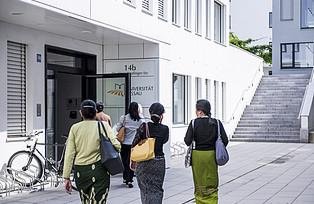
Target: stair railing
(306,114)
(244,100)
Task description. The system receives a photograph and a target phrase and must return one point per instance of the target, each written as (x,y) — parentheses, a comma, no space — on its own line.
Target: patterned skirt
(150,177)
(205,176)
(92,182)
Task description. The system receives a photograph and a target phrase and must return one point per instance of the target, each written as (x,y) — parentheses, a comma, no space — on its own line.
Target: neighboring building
(293,36)
(54,54)
(252,19)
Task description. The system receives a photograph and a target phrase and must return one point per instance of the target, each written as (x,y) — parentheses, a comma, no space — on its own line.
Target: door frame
(127,77)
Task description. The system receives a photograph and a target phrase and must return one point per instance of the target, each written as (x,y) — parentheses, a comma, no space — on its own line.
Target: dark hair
(99,106)
(204,106)
(155,111)
(133,111)
(88,109)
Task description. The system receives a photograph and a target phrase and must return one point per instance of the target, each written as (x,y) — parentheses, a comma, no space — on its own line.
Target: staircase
(272,115)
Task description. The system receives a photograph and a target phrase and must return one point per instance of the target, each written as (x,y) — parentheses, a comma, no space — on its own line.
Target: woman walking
(131,122)
(203,131)
(83,149)
(150,174)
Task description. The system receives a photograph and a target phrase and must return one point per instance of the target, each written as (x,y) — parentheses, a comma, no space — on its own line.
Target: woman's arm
(224,136)
(189,135)
(140,134)
(166,138)
(120,123)
(69,155)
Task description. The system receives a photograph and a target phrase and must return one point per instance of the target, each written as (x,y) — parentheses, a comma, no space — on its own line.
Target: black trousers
(125,156)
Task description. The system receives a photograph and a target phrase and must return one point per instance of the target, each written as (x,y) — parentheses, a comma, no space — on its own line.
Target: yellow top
(83,144)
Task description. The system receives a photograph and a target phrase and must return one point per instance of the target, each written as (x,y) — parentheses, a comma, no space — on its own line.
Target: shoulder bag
(188,156)
(222,156)
(145,150)
(121,133)
(110,157)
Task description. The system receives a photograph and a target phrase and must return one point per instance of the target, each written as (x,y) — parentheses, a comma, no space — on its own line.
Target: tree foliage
(263,51)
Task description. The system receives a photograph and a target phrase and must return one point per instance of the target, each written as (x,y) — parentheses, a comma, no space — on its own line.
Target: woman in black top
(203,131)
(150,174)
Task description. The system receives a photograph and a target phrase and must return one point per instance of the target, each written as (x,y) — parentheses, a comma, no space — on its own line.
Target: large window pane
(286,10)
(219,23)
(307,13)
(178,83)
(304,54)
(187,14)
(198,17)
(286,55)
(208,18)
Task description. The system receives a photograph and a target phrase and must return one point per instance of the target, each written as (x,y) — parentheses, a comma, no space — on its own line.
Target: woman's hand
(68,185)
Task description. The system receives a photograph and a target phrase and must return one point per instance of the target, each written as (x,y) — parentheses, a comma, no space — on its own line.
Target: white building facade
(293,36)
(53,55)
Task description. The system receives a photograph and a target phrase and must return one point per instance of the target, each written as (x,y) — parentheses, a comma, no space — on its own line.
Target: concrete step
(268,121)
(249,112)
(267,133)
(265,128)
(271,102)
(269,139)
(265,125)
(267,115)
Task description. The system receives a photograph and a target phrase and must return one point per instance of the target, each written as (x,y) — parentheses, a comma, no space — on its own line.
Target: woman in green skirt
(83,149)
(203,131)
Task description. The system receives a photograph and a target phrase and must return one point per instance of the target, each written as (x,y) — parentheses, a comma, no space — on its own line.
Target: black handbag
(110,157)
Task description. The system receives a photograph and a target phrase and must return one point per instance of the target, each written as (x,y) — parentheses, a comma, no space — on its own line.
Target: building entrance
(70,78)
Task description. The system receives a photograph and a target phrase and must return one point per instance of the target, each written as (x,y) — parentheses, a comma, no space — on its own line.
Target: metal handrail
(243,94)
(305,93)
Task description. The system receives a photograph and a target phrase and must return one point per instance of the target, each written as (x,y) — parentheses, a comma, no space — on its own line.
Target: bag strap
(218,128)
(147,130)
(123,123)
(103,127)
(193,141)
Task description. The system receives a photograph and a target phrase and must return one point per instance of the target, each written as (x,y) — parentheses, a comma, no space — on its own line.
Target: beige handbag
(145,150)
(121,133)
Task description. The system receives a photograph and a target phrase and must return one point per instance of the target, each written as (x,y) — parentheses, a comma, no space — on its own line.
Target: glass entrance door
(111,89)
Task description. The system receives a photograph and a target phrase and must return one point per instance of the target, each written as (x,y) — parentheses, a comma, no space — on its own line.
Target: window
(162,11)
(187,14)
(180,99)
(130,2)
(224,101)
(198,17)
(219,23)
(286,55)
(297,55)
(198,88)
(270,19)
(216,99)
(208,89)
(208,18)
(16,90)
(147,6)
(286,10)
(307,13)
(176,12)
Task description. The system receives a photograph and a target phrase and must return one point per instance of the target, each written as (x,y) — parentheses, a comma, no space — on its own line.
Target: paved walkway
(257,173)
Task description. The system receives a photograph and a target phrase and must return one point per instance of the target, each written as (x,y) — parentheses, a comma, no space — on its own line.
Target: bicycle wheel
(26,168)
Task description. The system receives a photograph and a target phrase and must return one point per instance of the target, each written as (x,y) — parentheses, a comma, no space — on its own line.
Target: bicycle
(32,168)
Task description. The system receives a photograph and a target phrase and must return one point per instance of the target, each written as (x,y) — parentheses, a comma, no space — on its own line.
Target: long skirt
(205,176)
(92,182)
(150,177)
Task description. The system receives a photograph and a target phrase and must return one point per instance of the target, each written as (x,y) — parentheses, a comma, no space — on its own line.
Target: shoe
(124,181)
(130,185)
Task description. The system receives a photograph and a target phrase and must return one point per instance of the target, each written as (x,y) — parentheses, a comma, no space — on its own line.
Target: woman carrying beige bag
(150,174)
